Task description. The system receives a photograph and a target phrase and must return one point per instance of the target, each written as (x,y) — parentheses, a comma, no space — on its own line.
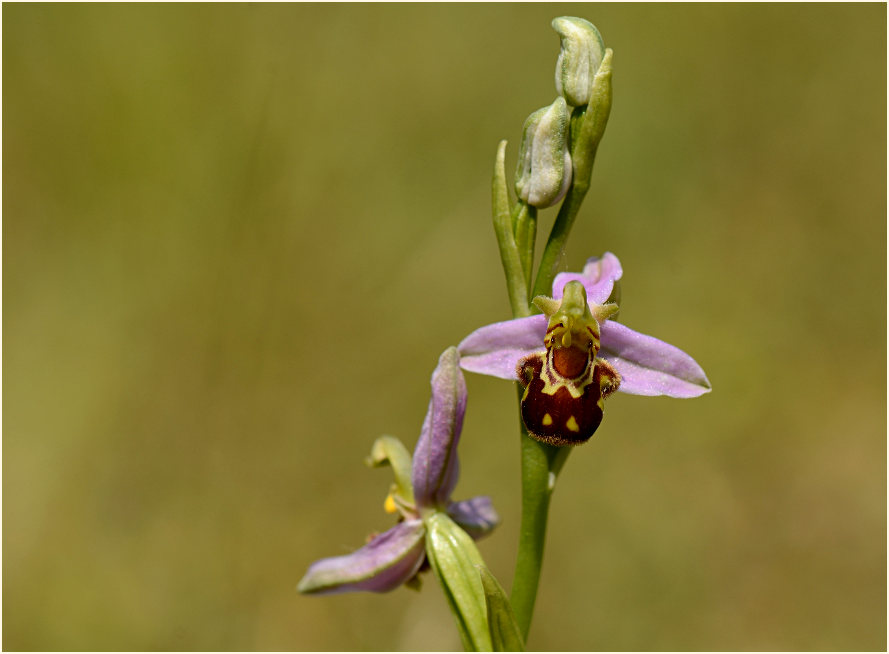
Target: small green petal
(603,312)
(390,450)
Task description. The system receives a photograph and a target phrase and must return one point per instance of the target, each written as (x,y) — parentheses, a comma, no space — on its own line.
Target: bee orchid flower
(574,354)
(420,496)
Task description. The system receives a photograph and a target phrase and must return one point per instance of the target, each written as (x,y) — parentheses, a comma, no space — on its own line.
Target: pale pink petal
(598,277)
(496,349)
(435,464)
(386,562)
(476,516)
(649,366)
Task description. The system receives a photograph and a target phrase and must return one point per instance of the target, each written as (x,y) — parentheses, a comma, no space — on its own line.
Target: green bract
(505,633)
(454,559)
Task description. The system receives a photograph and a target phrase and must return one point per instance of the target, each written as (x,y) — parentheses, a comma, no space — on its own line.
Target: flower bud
(579,58)
(543,174)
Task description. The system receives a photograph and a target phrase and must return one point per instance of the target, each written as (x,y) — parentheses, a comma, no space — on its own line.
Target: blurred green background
(236,238)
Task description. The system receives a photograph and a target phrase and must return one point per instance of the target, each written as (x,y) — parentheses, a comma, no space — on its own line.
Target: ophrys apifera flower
(574,354)
(420,495)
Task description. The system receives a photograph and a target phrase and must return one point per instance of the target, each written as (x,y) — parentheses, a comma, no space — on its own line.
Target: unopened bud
(543,174)
(579,58)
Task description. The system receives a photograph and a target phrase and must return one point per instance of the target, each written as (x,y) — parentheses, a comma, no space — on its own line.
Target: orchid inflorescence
(563,346)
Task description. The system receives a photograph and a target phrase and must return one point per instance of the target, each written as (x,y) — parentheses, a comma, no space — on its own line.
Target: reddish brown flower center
(570,362)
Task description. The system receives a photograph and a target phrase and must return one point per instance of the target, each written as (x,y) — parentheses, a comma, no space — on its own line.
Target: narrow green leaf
(505,634)
(525,237)
(503,228)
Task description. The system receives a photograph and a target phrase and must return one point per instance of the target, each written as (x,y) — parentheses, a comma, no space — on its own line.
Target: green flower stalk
(587,128)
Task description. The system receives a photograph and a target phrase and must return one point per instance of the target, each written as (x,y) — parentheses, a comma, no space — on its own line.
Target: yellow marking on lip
(389,506)
(547,420)
(572,424)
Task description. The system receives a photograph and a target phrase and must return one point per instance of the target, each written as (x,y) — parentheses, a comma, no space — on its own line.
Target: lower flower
(422,489)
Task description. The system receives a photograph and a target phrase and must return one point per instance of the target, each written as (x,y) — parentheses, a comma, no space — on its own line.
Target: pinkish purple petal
(476,516)
(648,366)
(435,465)
(388,561)
(496,349)
(598,278)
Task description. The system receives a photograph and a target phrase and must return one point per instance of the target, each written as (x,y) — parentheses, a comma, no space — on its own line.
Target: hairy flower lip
(392,558)
(647,365)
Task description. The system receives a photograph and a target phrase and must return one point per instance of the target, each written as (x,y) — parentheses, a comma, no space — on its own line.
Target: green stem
(540,464)
(558,237)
